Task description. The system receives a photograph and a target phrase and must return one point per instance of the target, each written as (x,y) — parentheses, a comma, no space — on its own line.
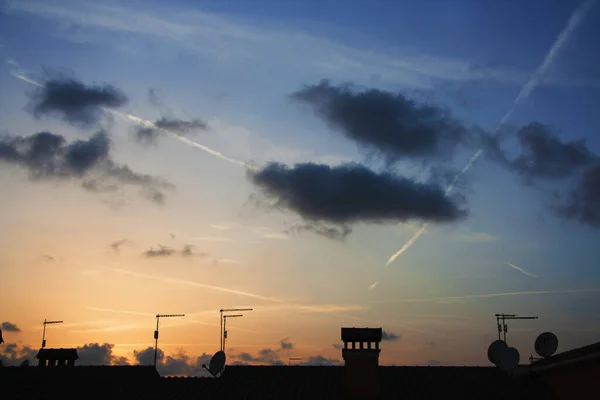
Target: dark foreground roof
(240,382)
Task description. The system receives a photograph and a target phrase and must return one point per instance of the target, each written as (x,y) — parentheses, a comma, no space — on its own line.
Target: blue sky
(234,65)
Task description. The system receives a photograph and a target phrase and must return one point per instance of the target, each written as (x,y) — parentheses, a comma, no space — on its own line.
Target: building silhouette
(568,375)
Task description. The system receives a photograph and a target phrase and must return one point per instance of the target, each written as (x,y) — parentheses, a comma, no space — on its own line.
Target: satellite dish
(509,359)
(217,363)
(25,363)
(546,344)
(495,350)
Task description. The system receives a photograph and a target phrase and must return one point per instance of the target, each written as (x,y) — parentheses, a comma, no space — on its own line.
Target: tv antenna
(44,333)
(294,359)
(225,327)
(222,310)
(158,317)
(503,328)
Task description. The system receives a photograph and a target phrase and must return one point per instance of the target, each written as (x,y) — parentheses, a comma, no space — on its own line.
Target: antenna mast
(225,327)
(158,317)
(221,334)
(503,328)
(44,333)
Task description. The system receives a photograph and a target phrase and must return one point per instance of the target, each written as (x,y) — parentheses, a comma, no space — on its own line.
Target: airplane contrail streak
(150,124)
(119,311)
(488,295)
(560,41)
(196,284)
(521,270)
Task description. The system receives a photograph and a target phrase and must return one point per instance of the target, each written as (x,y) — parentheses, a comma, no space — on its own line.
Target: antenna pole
(44,335)
(158,317)
(503,328)
(225,328)
(44,332)
(222,332)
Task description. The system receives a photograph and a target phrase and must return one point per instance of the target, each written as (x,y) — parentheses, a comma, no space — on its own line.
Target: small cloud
(337,346)
(74,101)
(373,285)
(389,336)
(9,327)
(521,270)
(162,251)
(11,61)
(219,226)
(46,257)
(286,344)
(116,245)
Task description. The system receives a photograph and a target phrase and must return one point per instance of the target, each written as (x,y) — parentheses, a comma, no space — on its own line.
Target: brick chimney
(361,358)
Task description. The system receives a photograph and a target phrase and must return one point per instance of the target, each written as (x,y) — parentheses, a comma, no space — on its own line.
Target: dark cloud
(583,203)
(285,344)
(146,356)
(337,346)
(267,356)
(116,245)
(179,364)
(162,251)
(13,355)
(149,135)
(75,102)
(9,327)
(339,233)
(46,257)
(351,193)
(437,363)
(320,360)
(47,156)
(388,123)
(389,336)
(99,354)
(264,357)
(165,251)
(543,154)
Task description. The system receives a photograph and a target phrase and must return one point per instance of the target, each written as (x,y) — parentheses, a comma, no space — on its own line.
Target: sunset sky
(188,156)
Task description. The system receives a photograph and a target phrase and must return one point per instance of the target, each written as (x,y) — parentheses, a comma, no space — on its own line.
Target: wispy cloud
(219,226)
(111,310)
(221,38)
(520,270)
(226,261)
(112,328)
(485,296)
(276,235)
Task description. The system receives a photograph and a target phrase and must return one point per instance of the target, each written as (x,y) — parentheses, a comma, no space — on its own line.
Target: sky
(328,164)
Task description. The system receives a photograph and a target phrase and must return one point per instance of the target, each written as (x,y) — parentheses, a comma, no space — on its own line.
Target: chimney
(361,360)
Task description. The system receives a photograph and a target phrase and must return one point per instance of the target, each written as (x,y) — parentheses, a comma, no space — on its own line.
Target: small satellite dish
(495,350)
(25,363)
(509,359)
(217,363)
(546,344)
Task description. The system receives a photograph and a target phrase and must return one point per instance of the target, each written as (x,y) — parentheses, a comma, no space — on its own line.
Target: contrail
(488,295)
(560,41)
(120,311)
(521,270)
(200,285)
(150,124)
